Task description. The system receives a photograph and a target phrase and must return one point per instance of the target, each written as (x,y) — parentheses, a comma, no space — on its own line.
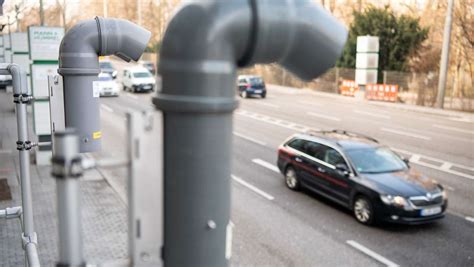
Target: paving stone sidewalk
(104,217)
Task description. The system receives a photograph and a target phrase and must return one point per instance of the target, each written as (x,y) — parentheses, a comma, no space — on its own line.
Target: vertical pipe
(24,155)
(66,159)
(41,11)
(443,69)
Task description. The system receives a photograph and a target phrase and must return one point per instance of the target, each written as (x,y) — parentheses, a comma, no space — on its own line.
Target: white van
(138,79)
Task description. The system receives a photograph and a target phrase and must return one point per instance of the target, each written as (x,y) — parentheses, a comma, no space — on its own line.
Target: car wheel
(264,95)
(363,210)
(244,94)
(291,179)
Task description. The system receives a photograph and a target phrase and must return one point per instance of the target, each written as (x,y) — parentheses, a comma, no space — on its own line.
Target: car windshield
(256,80)
(141,74)
(105,65)
(105,78)
(375,160)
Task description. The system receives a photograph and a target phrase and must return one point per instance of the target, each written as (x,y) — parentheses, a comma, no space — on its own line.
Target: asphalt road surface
(275,226)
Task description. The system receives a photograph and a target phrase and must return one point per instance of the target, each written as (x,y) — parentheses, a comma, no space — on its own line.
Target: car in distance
(150,66)
(251,85)
(107,85)
(107,67)
(359,173)
(138,79)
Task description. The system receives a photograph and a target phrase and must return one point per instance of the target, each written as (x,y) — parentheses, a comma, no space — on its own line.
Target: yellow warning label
(97,135)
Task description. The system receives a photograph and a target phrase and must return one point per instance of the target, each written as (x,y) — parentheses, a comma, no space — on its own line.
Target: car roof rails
(342,132)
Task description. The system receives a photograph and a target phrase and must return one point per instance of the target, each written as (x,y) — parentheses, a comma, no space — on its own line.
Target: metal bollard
(67,168)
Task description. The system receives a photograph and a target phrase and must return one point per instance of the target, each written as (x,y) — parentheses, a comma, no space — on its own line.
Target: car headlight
(444,193)
(397,201)
(114,74)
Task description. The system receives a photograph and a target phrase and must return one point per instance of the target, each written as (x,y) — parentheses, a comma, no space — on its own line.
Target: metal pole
(105,5)
(443,68)
(21,99)
(67,169)
(139,12)
(41,13)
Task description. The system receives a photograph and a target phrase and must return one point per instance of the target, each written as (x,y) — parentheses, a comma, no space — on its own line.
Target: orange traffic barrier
(348,88)
(381,92)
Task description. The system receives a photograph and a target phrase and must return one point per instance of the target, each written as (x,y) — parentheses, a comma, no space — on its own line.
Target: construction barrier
(382,92)
(348,88)
(378,92)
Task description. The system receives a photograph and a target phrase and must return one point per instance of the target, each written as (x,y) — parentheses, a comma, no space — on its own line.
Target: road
(278,227)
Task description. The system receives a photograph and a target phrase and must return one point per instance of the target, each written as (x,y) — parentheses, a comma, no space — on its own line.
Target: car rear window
(256,80)
(141,74)
(105,65)
(105,78)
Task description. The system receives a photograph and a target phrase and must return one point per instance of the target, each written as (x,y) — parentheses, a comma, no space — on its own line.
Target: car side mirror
(343,169)
(406,160)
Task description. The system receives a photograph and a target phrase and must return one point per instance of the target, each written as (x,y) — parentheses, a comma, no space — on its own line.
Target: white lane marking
(376,115)
(460,119)
(109,109)
(253,188)
(471,219)
(323,116)
(371,253)
(453,129)
(5,151)
(267,165)
(405,133)
(274,121)
(446,166)
(440,169)
(430,158)
(267,104)
(450,188)
(310,103)
(132,96)
(249,139)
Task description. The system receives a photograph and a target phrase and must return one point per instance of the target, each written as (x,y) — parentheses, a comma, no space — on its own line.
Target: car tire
(244,94)
(264,95)
(291,179)
(363,210)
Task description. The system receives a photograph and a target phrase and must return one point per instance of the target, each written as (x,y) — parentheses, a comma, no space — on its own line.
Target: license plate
(146,87)
(257,91)
(430,211)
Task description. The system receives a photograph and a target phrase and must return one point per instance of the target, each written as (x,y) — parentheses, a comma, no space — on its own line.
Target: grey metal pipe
(67,168)
(204,44)
(79,66)
(20,91)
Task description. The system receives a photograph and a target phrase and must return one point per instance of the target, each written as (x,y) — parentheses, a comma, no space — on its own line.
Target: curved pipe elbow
(19,80)
(89,39)
(301,36)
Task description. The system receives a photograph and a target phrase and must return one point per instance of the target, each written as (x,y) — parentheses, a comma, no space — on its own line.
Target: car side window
(313,149)
(332,157)
(297,144)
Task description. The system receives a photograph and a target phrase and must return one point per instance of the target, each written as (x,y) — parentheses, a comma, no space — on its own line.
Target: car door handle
(298,160)
(321,170)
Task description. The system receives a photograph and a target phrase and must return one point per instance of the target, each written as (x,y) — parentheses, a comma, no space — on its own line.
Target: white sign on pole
(44,42)
(41,118)
(19,42)
(39,75)
(367,44)
(6,40)
(8,56)
(23,60)
(367,60)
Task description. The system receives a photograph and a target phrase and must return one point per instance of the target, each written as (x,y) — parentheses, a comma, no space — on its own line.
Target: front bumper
(143,87)
(400,216)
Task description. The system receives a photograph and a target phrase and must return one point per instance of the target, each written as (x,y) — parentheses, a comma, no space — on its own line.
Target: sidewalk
(464,116)
(104,218)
